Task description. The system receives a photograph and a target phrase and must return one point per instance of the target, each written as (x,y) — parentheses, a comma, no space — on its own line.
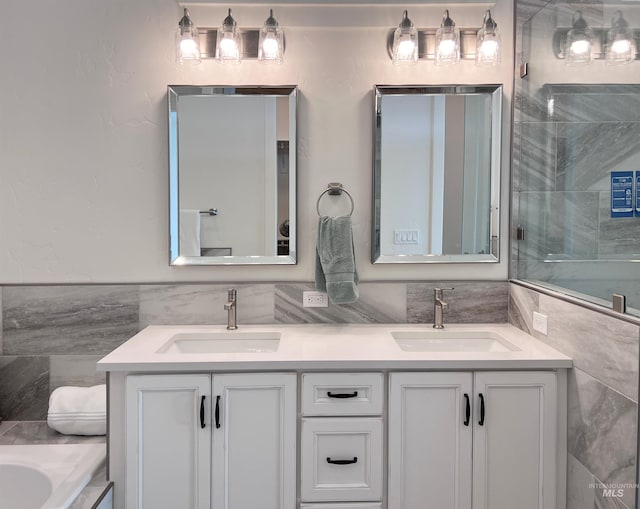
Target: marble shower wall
(54,335)
(602,394)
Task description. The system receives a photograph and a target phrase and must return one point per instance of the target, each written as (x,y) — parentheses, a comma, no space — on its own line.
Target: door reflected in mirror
(436,174)
(232,169)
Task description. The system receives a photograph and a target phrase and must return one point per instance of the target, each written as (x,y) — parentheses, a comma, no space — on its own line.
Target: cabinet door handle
(202,411)
(353,394)
(343,462)
(481,421)
(467,412)
(217,412)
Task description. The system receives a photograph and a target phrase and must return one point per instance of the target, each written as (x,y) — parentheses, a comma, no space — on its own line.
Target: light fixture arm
(489,23)
(229,23)
(446,20)
(406,22)
(185,22)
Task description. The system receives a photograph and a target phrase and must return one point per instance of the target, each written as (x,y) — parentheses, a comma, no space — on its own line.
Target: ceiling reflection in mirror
(232,175)
(436,174)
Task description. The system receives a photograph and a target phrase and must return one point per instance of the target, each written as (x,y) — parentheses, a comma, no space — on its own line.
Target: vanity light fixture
(228,41)
(187,42)
(405,42)
(447,42)
(579,43)
(620,47)
(271,41)
(488,47)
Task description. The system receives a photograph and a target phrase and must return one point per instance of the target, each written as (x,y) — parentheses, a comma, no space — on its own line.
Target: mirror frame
(495,91)
(173,93)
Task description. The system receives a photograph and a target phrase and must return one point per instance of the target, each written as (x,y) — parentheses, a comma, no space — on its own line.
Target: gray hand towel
(335,261)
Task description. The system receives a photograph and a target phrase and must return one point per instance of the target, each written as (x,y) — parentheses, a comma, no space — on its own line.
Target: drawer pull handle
(353,394)
(217,412)
(467,413)
(343,462)
(202,424)
(481,422)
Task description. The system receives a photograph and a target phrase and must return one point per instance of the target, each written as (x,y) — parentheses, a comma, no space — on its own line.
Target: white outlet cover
(315,300)
(540,323)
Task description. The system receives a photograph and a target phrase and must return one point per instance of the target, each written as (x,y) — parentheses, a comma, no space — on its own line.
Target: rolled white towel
(78,410)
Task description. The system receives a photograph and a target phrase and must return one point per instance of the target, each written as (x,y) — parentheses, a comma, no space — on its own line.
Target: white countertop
(328,347)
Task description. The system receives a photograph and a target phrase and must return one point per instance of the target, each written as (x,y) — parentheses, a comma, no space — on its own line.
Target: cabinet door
(254,447)
(514,458)
(168,452)
(429,442)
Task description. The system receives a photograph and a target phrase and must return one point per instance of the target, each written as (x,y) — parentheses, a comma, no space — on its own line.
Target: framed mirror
(436,174)
(232,175)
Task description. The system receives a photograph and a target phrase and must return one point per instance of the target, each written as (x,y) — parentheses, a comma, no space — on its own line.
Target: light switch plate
(315,300)
(540,323)
(401,237)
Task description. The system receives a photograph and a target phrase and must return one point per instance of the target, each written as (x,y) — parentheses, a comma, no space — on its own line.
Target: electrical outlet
(540,323)
(315,300)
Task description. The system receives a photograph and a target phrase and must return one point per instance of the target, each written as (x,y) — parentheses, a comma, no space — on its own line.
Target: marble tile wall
(54,335)
(602,394)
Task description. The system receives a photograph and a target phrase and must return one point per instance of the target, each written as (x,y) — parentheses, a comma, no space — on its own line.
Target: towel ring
(334,188)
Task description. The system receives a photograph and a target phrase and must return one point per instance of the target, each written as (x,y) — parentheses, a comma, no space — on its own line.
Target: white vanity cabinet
(342,440)
(200,441)
(168,452)
(461,440)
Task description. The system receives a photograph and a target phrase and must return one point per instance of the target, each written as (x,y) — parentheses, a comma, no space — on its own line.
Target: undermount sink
(222,342)
(452,341)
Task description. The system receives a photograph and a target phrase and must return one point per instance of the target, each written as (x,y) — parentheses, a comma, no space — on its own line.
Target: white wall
(83,131)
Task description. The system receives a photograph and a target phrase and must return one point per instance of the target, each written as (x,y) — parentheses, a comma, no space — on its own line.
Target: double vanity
(337,417)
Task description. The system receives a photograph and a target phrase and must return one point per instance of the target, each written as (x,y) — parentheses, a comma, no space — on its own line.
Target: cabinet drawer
(341,459)
(366,505)
(342,393)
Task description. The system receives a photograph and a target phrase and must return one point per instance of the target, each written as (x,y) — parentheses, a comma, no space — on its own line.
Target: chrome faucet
(438,307)
(230,306)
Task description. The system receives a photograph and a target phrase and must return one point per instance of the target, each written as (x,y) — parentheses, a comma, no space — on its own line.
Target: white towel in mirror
(189,232)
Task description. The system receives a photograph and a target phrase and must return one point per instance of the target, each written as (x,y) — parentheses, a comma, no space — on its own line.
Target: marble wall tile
(537,156)
(602,430)
(378,303)
(600,345)
(522,303)
(77,370)
(37,432)
(68,319)
(470,302)
(24,388)
(560,224)
(580,491)
(587,152)
(1,349)
(6,426)
(584,102)
(200,304)
(619,236)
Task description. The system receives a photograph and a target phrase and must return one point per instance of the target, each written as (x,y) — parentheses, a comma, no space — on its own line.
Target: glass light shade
(405,42)
(579,44)
(187,43)
(488,44)
(271,41)
(447,42)
(228,41)
(620,47)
